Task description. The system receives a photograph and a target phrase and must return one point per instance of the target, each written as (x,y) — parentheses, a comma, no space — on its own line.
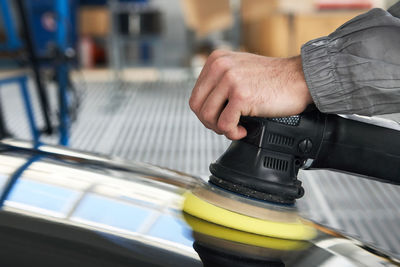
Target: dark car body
(62,207)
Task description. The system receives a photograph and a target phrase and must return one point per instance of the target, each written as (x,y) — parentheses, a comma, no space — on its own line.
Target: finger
(228,121)
(213,105)
(204,72)
(214,55)
(210,76)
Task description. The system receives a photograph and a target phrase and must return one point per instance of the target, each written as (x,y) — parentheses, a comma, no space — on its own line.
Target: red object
(86,47)
(91,54)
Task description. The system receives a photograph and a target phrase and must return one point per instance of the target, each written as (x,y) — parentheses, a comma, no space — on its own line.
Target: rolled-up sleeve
(356,69)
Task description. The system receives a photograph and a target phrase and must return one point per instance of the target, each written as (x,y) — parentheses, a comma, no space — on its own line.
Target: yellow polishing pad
(199,208)
(230,234)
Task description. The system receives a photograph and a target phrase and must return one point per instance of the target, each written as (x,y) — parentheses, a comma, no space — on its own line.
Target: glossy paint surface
(119,213)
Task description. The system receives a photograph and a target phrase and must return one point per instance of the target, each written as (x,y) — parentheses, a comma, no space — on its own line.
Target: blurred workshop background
(114,77)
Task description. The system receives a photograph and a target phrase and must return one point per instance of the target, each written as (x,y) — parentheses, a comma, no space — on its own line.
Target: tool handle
(358,147)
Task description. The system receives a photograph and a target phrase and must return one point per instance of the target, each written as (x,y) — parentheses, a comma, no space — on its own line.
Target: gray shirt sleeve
(356,69)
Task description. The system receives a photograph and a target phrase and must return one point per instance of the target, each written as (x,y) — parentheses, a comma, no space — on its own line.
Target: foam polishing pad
(293,228)
(221,232)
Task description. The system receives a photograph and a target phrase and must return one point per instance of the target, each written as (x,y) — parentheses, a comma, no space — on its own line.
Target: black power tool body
(264,165)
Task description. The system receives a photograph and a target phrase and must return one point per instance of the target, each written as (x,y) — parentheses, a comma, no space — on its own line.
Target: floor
(149,120)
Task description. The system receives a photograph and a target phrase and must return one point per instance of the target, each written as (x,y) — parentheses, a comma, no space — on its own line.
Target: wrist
(299,83)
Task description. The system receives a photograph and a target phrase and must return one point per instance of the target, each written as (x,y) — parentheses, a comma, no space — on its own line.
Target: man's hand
(234,84)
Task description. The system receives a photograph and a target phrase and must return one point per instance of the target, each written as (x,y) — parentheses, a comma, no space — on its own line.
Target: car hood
(65,207)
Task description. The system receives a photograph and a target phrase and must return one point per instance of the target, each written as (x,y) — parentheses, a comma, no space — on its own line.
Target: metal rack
(117,42)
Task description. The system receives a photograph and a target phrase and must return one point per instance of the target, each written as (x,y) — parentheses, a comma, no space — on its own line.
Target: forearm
(356,69)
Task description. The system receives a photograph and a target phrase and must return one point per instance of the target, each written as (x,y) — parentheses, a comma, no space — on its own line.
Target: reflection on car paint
(171,228)
(114,213)
(3,180)
(99,201)
(42,196)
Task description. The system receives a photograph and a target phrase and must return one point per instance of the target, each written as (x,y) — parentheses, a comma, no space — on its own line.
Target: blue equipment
(64,35)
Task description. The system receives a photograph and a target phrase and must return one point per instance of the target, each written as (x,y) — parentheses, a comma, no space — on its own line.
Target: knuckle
(207,116)
(218,53)
(207,125)
(223,126)
(193,104)
(230,76)
(220,64)
(238,94)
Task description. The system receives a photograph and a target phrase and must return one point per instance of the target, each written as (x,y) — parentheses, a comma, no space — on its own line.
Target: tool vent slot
(281,140)
(276,164)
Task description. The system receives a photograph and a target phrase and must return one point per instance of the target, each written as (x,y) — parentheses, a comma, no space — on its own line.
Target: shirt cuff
(320,75)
